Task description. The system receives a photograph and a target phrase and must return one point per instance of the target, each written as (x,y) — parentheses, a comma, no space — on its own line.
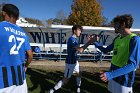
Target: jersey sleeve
(103,49)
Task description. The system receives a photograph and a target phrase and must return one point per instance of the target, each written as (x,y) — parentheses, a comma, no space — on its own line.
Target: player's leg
(59,84)
(56,87)
(67,74)
(78,76)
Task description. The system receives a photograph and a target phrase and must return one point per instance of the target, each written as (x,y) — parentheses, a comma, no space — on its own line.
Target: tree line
(83,12)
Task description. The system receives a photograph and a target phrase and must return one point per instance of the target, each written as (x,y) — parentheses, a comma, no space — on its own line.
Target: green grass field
(40,81)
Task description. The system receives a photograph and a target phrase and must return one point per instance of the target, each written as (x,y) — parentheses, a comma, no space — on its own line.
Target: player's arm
(133,60)
(82,48)
(29,52)
(29,57)
(105,49)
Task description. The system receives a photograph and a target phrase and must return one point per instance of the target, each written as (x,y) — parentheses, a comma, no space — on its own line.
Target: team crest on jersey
(73,42)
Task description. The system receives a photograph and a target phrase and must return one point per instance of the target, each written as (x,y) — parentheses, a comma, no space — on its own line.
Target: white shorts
(70,69)
(15,89)
(115,87)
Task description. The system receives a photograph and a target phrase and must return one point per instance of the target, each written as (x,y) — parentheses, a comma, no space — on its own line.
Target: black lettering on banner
(51,37)
(37,36)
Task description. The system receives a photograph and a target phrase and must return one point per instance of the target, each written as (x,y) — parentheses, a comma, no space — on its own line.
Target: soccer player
(72,64)
(14,44)
(126,56)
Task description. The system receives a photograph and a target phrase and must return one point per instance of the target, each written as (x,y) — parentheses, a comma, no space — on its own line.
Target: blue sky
(45,9)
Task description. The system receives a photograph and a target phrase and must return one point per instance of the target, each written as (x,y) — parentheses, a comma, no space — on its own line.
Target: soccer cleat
(78,90)
(51,91)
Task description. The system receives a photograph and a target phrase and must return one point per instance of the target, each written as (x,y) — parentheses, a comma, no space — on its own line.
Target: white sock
(58,85)
(51,91)
(78,80)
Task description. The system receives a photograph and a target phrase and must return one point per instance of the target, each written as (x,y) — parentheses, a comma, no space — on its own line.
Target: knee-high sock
(58,85)
(78,80)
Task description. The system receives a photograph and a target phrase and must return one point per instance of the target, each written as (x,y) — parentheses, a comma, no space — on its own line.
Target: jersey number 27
(15,48)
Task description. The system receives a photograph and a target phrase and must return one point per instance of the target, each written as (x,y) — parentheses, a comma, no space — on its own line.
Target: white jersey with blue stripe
(71,51)
(13,44)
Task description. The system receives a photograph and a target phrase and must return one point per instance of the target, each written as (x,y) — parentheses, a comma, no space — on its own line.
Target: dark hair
(75,27)
(11,10)
(126,20)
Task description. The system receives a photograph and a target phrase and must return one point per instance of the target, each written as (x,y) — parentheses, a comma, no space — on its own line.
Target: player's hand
(88,37)
(93,38)
(103,76)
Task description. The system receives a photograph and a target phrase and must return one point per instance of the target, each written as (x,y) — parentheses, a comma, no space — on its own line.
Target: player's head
(10,11)
(122,21)
(77,29)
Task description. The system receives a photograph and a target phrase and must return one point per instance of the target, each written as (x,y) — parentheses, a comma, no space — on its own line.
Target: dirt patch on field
(60,65)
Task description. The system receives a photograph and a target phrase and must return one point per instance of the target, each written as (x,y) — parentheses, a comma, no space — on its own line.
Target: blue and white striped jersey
(71,51)
(13,44)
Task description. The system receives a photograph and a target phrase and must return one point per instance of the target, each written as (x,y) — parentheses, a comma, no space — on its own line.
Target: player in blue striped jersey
(14,44)
(126,56)
(72,65)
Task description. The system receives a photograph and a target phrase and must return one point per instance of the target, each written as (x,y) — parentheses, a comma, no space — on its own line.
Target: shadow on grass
(136,86)
(42,81)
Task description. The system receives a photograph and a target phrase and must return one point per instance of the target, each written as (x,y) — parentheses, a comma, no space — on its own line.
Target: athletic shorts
(115,87)
(70,69)
(15,89)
